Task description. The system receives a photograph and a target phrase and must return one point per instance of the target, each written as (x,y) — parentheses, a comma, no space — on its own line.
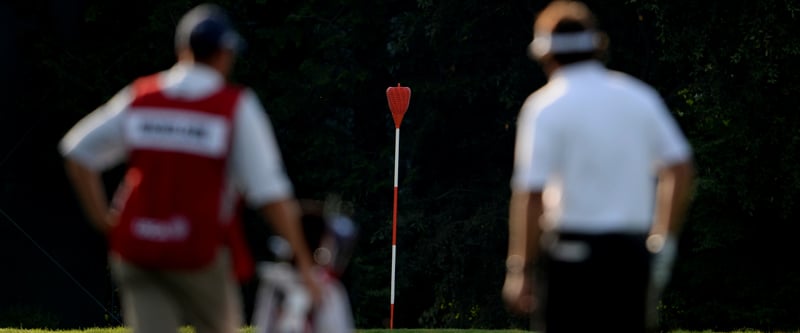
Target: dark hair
(567,26)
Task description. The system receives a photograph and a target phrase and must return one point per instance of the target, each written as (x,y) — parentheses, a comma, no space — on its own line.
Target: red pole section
(398,98)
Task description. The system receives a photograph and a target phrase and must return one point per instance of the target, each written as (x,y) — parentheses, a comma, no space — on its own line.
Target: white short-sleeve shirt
(255,164)
(592,140)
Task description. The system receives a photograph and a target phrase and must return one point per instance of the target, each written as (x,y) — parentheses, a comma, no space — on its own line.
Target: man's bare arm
(675,184)
(524,229)
(89,187)
(284,216)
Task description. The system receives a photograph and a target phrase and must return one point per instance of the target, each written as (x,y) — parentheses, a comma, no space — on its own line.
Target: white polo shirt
(592,140)
(255,164)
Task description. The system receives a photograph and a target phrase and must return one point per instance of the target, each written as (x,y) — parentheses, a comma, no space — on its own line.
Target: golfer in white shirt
(601,178)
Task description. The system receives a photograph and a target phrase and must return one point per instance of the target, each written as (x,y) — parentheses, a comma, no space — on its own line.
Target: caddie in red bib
(175,201)
(197,148)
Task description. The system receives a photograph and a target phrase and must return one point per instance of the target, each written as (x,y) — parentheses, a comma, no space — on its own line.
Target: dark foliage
(728,71)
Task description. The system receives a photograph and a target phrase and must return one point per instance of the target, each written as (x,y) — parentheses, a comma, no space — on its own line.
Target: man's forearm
(674,189)
(524,230)
(284,216)
(89,188)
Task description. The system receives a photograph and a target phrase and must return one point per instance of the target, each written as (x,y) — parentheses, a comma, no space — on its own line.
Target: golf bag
(283,305)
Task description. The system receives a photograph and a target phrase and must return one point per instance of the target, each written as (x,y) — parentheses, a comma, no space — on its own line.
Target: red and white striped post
(398,98)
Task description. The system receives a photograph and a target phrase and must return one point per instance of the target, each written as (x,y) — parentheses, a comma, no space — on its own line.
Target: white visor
(559,43)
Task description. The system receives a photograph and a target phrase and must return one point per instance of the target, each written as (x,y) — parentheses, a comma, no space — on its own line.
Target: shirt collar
(191,79)
(579,69)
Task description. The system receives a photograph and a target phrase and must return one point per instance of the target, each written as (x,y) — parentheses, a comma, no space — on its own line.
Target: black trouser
(594,283)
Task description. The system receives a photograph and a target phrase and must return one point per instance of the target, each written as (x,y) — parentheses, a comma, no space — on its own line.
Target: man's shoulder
(545,96)
(632,84)
(235,91)
(542,105)
(146,84)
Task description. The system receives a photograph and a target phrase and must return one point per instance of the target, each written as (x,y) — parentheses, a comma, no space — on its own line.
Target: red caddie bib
(175,202)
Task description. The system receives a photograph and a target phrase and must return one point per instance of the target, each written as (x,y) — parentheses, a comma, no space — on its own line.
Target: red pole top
(398,98)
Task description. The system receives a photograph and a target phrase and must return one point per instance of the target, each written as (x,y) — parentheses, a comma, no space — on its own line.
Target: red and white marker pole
(398,98)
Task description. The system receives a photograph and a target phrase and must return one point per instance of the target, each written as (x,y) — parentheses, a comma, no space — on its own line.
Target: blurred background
(728,71)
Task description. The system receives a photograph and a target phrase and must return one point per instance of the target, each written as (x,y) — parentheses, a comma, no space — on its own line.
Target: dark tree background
(728,70)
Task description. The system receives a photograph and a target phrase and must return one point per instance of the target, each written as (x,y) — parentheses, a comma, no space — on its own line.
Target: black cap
(206,29)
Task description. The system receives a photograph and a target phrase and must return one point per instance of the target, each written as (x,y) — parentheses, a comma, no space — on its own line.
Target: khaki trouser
(156,301)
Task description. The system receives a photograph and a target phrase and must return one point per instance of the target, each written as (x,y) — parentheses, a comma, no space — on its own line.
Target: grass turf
(251,330)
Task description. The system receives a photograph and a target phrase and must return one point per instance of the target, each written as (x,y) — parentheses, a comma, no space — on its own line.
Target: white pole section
(394,222)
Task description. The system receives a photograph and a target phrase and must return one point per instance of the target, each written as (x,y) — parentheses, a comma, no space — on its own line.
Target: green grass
(250,330)
(438,331)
